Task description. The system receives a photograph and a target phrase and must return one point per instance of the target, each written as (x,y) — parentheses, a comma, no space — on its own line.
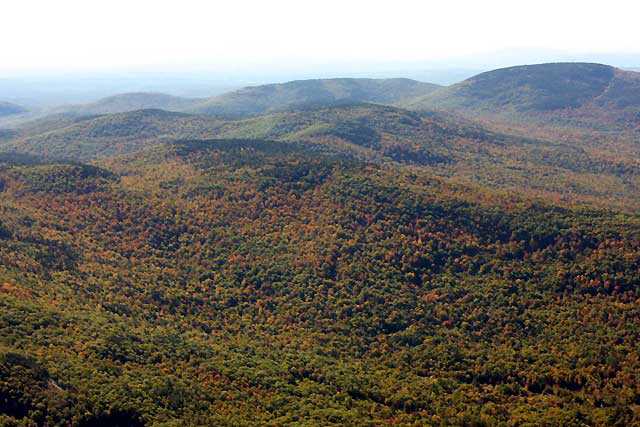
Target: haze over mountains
(589,93)
(267,98)
(313,93)
(531,89)
(8,108)
(130,102)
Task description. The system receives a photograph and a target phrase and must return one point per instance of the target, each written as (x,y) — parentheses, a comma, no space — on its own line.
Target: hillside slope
(571,93)
(86,138)
(125,102)
(444,144)
(450,146)
(312,93)
(261,283)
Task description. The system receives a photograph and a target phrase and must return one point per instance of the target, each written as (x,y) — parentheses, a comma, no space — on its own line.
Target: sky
(93,35)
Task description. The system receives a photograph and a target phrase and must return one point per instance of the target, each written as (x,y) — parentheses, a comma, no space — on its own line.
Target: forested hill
(125,102)
(312,93)
(90,137)
(252,283)
(450,146)
(302,258)
(570,93)
(255,100)
(443,144)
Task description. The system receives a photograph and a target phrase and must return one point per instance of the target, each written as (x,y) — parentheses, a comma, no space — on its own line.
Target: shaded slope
(57,178)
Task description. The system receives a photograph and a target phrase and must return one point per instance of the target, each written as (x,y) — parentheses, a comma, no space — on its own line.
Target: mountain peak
(590,94)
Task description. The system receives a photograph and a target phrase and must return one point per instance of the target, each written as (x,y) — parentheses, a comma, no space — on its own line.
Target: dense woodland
(566,165)
(352,265)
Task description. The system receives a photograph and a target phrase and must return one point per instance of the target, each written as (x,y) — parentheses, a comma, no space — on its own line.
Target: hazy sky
(116,34)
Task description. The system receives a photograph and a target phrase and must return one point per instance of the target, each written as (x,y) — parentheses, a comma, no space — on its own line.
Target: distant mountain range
(312,93)
(133,101)
(251,101)
(8,108)
(505,151)
(580,94)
